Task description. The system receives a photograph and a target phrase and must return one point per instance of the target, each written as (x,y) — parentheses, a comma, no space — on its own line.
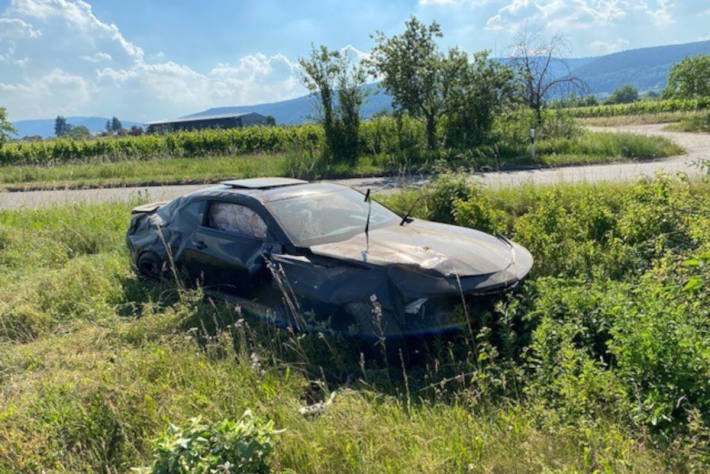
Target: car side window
(236,219)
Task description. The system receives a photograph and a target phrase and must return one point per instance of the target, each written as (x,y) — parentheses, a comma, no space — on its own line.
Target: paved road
(696,145)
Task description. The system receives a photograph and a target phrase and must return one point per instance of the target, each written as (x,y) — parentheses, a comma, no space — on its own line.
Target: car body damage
(298,253)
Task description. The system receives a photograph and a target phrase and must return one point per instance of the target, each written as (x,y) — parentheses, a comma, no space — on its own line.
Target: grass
(586,148)
(697,123)
(94,363)
(641,119)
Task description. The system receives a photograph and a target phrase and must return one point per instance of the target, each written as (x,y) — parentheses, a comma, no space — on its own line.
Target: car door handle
(199,245)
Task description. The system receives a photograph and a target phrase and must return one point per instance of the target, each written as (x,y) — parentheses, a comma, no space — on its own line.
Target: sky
(156,59)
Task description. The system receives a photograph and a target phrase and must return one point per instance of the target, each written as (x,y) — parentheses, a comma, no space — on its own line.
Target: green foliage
(259,139)
(486,89)
(624,95)
(696,123)
(223,447)
(642,107)
(339,85)
(61,126)
(599,361)
(415,73)
(78,132)
(689,78)
(6,128)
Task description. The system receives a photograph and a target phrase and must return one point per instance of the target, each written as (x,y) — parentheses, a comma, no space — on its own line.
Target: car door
(225,252)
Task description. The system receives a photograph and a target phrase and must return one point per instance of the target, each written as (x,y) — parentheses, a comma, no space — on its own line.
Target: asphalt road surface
(696,145)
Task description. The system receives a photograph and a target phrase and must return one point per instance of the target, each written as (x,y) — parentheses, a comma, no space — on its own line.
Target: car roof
(262,183)
(268,189)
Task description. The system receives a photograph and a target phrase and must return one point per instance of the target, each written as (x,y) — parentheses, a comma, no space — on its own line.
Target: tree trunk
(431,132)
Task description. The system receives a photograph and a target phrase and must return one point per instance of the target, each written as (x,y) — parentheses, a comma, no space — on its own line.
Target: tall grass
(566,375)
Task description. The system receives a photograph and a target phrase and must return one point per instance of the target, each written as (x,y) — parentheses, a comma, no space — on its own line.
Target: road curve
(696,145)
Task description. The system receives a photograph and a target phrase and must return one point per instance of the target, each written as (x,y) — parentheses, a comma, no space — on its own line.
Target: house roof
(202,118)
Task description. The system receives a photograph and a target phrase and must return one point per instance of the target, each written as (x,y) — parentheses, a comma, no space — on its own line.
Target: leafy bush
(697,123)
(223,447)
(641,107)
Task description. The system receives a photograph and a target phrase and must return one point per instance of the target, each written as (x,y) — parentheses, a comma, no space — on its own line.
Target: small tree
(135,131)
(61,126)
(689,78)
(270,120)
(412,71)
(78,132)
(624,95)
(480,89)
(338,84)
(6,128)
(533,59)
(108,127)
(116,124)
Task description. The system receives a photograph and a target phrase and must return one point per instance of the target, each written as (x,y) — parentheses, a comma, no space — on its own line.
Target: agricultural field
(386,149)
(599,362)
(641,107)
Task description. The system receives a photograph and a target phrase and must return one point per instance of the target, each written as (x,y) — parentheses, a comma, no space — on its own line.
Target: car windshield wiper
(406,219)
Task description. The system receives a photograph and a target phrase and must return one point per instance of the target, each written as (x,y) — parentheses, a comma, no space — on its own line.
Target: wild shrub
(225,446)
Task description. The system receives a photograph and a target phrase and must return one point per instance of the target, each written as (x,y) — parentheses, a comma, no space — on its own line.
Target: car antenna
(368,200)
(411,209)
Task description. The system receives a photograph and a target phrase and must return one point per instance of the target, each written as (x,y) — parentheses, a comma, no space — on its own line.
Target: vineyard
(383,135)
(640,107)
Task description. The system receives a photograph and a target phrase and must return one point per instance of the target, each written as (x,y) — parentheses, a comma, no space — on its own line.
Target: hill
(644,68)
(45,127)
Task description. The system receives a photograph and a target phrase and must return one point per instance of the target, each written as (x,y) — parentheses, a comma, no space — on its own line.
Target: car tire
(151,267)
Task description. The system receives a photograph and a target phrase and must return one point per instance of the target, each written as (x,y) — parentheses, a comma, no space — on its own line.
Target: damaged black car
(323,256)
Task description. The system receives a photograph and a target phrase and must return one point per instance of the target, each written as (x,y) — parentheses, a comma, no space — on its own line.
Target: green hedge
(382,135)
(641,107)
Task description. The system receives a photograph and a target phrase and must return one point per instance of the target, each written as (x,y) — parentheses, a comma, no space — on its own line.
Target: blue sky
(152,59)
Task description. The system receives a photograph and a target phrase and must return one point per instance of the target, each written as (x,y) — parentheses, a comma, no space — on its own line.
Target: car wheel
(151,266)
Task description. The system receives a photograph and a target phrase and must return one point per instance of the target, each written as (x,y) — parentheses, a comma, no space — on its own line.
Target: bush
(641,107)
(225,447)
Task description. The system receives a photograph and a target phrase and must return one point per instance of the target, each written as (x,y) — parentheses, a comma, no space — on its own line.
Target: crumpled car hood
(445,249)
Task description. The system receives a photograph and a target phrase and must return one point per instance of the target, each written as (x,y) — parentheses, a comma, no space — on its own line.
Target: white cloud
(660,15)
(68,94)
(96,57)
(606,47)
(556,15)
(15,28)
(567,15)
(81,65)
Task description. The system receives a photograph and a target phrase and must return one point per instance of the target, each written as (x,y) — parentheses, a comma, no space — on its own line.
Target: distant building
(208,121)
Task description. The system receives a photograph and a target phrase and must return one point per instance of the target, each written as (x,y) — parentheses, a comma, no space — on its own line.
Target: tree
(624,95)
(690,78)
(108,126)
(270,120)
(116,124)
(413,73)
(61,126)
(6,128)
(533,58)
(338,84)
(135,131)
(78,132)
(481,89)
